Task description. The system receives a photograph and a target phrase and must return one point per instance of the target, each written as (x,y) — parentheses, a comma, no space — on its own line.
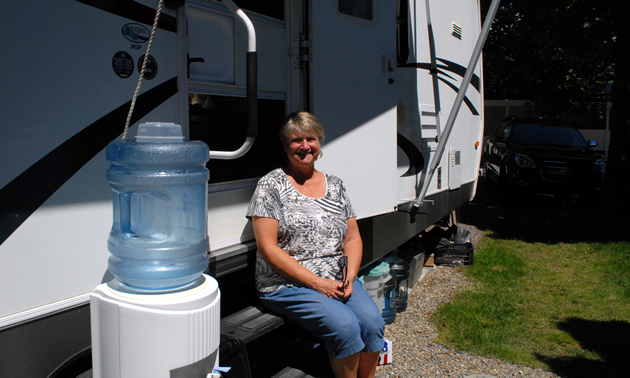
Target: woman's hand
(333,289)
(329,288)
(347,290)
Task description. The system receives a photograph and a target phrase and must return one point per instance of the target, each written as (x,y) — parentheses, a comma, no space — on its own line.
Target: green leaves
(555,55)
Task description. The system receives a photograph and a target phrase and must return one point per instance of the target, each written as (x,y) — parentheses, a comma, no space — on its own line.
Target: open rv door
(354,97)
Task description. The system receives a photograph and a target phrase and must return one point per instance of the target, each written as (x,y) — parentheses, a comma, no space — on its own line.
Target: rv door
(354,97)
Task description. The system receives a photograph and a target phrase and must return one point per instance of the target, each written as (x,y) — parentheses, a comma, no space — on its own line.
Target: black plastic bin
(454,254)
(451,247)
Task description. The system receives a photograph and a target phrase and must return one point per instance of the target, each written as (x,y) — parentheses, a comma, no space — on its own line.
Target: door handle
(192,60)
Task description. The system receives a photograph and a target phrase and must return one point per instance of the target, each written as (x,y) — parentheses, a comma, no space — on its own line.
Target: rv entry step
(249,324)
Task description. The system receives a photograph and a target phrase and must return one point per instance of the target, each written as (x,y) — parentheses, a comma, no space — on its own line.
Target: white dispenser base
(159,335)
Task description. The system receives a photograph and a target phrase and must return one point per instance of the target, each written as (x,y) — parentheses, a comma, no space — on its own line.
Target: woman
(309,253)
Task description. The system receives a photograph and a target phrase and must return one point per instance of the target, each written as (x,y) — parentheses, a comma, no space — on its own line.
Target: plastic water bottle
(389,298)
(159,237)
(402,268)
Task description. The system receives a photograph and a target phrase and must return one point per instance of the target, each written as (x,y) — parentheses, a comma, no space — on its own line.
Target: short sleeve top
(311,230)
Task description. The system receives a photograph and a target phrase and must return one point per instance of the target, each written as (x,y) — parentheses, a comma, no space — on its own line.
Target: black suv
(544,158)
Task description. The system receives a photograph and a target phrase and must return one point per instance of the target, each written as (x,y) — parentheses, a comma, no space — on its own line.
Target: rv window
(402,32)
(357,8)
(269,8)
(220,121)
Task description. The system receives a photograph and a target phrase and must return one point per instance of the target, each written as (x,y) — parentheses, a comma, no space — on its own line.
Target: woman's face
(302,148)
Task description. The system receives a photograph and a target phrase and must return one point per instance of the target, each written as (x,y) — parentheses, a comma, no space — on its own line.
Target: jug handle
(125,213)
(125,207)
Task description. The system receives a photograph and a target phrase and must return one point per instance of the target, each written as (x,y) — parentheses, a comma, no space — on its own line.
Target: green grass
(560,307)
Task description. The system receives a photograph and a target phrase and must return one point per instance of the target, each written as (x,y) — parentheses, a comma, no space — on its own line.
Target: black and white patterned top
(311,230)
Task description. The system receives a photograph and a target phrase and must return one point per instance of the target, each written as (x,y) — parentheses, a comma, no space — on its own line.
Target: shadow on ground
(544,220)
(552,221)
(608,339)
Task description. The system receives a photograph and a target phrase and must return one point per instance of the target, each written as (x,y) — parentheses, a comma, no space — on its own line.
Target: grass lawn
(552,287)
(563,307)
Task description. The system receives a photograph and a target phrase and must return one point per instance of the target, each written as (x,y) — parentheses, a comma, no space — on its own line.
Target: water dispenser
(160,317)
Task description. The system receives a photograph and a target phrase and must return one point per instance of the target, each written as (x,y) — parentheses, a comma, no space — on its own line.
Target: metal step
(289,372)
(249,324)
(428,124)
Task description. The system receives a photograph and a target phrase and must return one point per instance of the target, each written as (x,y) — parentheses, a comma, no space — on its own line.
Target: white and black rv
(381,76)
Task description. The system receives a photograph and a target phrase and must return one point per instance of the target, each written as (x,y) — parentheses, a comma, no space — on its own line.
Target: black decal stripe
(26,193)
(422,66)
(445,74)
(134,11)
(451,67)
(461,71)
(416,160)
(471,107)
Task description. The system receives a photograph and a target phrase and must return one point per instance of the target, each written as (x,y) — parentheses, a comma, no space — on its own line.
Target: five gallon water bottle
(159,237)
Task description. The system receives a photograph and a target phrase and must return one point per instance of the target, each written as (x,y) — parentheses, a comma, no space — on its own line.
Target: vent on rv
(454,169)
(456,31)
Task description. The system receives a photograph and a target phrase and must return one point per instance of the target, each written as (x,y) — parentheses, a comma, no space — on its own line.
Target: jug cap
(379,270)
(159,132)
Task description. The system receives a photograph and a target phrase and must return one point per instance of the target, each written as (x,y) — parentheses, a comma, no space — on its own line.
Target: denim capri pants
(346,328)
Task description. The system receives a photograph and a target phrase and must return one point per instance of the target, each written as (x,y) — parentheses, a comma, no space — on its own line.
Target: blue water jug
(389,298)
(159,237)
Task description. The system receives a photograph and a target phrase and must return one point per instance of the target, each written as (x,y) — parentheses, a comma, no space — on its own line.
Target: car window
(506,131)
(545,135)
(503,131)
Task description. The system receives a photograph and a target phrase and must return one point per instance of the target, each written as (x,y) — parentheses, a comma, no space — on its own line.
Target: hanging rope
(144,66)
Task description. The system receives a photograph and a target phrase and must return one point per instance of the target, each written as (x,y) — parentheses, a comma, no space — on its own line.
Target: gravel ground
(415,354)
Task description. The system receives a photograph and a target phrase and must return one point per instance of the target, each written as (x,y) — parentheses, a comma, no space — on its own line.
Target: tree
(563,53)
(556,53)
(618,165)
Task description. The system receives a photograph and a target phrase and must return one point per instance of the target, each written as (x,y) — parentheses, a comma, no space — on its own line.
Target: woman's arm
(353,249)
(266,233)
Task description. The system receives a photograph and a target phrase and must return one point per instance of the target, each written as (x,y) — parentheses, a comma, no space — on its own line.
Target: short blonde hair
(300,122)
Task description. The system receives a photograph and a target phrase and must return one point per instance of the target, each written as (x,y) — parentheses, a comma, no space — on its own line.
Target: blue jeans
(346,328)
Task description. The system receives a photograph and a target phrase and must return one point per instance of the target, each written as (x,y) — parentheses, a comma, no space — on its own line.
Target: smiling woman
(302,150)
(301,138)
(310,251)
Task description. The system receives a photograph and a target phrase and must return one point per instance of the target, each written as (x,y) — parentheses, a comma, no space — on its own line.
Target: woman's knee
(345,325)
(373,320)
(366,311)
